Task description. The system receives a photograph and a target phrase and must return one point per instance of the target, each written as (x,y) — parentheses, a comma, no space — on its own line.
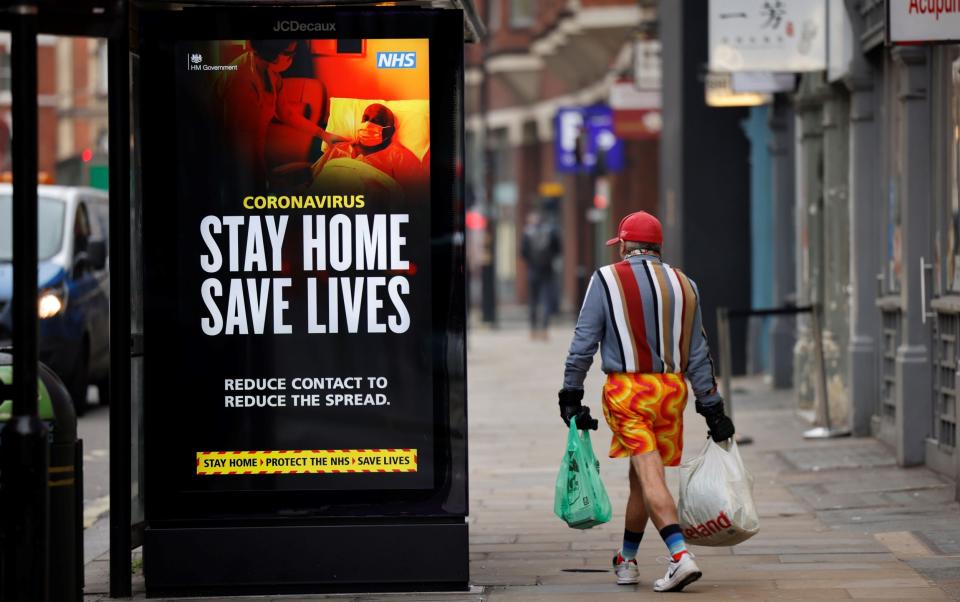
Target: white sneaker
(626,570)
(679,575)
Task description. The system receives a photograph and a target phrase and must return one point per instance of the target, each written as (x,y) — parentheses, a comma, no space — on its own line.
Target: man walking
(540,247)
(645,317)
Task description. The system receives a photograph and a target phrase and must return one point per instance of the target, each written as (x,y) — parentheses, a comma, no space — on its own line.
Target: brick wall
(81,91)
(47,111)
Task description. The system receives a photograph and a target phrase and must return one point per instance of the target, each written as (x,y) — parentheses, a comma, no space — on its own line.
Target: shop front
(921,316)
(942,272)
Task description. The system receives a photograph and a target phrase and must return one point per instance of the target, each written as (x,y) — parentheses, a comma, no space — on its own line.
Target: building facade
(71,105)
(705,180)
(876,214)
(537,59)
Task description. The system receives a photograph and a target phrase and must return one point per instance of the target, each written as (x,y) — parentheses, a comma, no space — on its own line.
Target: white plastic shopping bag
(716,497)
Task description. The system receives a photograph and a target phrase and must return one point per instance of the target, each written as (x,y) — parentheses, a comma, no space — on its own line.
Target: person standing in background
(540,247)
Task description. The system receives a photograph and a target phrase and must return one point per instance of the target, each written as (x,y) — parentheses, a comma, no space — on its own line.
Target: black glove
(720,425)
(570,407)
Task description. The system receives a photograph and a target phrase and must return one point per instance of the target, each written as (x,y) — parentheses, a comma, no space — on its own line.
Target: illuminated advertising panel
(309,260)
(303,262)
(304,314)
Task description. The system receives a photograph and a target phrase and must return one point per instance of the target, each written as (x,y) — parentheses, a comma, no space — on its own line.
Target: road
(94,429)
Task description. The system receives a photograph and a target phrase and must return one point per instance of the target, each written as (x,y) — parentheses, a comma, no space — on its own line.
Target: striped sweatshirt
(645,317)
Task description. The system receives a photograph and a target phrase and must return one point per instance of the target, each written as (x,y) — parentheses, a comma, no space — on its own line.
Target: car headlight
(51,303)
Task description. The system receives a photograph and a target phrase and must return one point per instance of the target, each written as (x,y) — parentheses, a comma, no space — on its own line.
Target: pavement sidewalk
(839,520)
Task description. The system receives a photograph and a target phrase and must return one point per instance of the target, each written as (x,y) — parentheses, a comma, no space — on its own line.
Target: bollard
(725,354)
(66,494)
(64,482)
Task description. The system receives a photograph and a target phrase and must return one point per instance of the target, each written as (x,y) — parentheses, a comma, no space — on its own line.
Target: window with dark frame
(4,70)
(494,15)
(523,13)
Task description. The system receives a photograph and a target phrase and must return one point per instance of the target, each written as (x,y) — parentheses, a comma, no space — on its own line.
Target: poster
(952,280)
(304,305)
(303,311)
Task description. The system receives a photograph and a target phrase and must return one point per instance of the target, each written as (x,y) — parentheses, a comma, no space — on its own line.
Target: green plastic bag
(581,499)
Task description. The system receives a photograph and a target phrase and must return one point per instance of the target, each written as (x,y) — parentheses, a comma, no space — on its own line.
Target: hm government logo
(195,63)
(287,26)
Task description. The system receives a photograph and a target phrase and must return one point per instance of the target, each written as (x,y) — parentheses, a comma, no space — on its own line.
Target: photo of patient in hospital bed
(328,116)
(377,156)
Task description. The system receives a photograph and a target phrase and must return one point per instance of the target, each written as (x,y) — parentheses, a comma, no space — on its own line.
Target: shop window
(504,167)
(951,229)
(494,16)
(4,70)
(522,13)
(946,327)
(893,234)
(888,367)
(101,73)
(504,194)
(946,333)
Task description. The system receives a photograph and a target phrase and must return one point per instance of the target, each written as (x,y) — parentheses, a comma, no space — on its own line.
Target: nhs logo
(396,60)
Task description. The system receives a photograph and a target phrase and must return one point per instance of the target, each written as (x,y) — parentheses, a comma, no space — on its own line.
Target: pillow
(413,120)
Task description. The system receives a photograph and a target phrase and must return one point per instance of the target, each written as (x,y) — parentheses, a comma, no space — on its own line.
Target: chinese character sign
(768,35)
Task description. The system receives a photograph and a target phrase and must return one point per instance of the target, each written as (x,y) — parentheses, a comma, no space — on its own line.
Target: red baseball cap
(639,226)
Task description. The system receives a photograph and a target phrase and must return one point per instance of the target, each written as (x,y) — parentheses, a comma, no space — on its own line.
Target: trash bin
(65,480)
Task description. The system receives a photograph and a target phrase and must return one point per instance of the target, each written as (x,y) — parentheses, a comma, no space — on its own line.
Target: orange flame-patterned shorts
(645,413)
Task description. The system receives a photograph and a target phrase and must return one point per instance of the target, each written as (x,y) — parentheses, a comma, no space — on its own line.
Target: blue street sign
(584,139)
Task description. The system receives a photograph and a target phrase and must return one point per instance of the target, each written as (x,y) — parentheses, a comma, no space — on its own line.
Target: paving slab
(815,580)
(869,454)
(897,593)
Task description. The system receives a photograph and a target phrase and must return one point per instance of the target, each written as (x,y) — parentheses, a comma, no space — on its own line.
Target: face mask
(370,134)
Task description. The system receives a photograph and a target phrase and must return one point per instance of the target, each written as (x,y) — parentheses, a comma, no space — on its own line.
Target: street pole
(23,445)
(488,270)
(118,77)
(583,195)
(725,353)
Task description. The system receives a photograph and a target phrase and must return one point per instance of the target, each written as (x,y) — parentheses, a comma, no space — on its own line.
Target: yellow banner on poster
(307,461)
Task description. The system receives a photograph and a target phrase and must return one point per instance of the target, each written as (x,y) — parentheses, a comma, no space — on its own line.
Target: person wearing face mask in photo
(251,101)
(377,146)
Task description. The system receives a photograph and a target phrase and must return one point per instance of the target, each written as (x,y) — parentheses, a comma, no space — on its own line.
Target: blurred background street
(803,158)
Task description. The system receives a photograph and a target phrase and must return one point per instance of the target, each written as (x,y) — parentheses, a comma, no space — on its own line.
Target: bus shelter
(288,315)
